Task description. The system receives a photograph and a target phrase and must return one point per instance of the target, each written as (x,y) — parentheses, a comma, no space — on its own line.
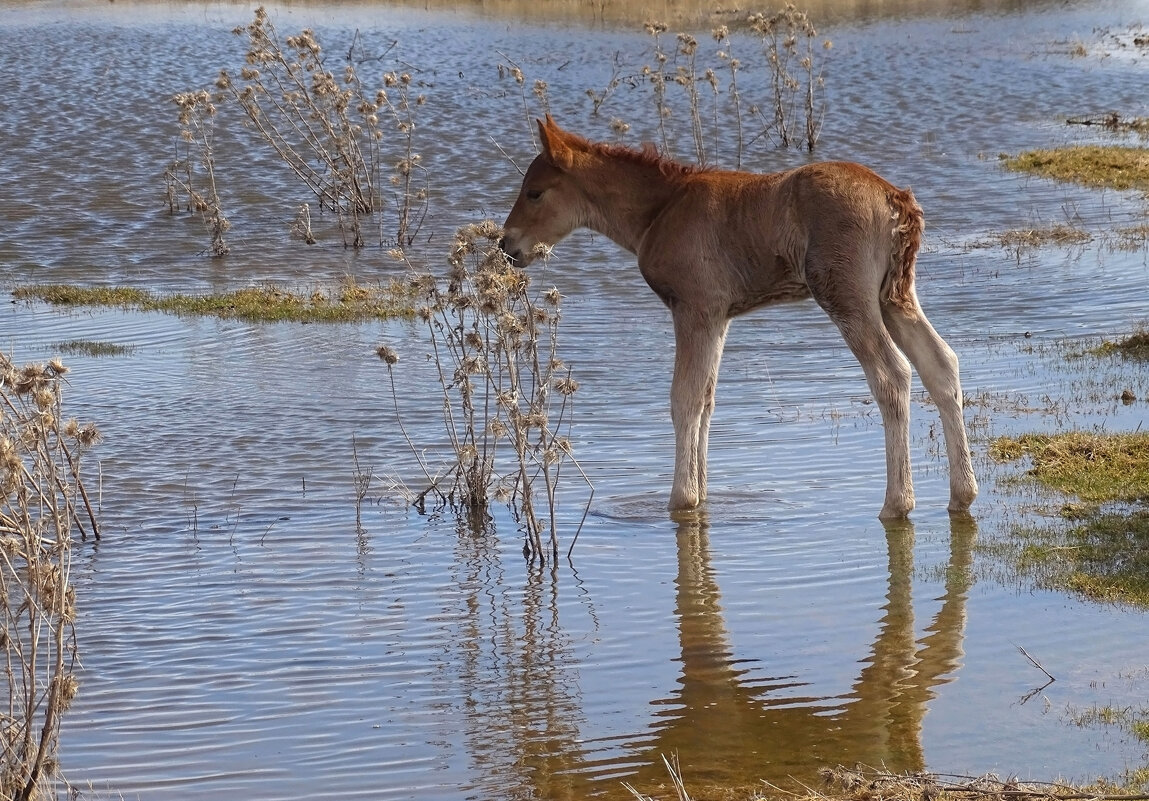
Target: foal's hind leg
(888,375)
(699,340)
(937,365)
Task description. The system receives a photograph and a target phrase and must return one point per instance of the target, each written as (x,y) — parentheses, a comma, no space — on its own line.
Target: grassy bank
(1111,166)
(348,302)
(1097,543)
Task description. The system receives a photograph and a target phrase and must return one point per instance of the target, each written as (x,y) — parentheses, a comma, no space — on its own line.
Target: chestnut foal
(714,244)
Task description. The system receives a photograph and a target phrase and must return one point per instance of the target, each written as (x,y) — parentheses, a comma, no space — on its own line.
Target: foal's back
(743,240)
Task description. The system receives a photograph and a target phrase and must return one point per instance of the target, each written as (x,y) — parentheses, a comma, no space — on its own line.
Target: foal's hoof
(962,498)
(683,502)
(896,511)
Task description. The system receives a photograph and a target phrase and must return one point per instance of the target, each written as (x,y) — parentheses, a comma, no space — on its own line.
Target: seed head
(687,43)
(566,386)
(89,435)
(387,354)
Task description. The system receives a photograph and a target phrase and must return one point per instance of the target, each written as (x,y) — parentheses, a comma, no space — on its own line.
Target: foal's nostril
(514,256)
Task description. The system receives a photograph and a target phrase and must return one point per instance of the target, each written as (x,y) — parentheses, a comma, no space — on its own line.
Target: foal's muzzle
(515,256)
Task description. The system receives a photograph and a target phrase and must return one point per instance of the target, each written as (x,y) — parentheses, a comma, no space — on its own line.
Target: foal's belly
(780,292)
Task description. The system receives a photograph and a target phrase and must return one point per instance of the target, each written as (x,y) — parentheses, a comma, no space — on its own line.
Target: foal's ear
(555,147)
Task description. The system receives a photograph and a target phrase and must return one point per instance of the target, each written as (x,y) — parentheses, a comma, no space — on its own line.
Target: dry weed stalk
(197,113)
(540,91)
(657,77)
(40,498)
(494,342)
(675,770)
(726,56)
(793,82)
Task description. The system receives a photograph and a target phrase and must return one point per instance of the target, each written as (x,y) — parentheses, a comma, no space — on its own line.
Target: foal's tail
(909,222)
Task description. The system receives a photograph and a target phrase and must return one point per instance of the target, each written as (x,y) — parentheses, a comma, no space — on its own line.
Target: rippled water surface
(241,637)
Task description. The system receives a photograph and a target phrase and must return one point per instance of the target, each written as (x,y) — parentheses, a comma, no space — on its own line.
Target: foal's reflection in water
(726,729)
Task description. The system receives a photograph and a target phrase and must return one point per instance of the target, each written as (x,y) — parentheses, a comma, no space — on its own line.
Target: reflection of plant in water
(494,342)
(521,713)
(41,496)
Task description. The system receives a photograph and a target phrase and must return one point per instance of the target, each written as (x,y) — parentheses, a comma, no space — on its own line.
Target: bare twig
(1036,664)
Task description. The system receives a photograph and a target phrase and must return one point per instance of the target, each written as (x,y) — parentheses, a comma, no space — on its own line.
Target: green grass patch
(1094,550)
(1135,346)
(1116,167)
(1094,467)
(87,347)
(348,302)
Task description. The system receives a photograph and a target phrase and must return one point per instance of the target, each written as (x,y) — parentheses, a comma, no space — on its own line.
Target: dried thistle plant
(41,495)
(197,111)
(324,124)
(793,80)
(411,194)
(494,342)
(788,42)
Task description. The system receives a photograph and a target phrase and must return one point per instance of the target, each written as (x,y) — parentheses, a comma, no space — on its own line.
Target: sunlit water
(240,637)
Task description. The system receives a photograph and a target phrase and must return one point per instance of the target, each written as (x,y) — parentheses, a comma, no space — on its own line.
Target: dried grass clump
(506,394)
(871,784)
(41,496)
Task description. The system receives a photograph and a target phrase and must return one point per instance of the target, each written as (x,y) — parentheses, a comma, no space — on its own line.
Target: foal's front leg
(698,342)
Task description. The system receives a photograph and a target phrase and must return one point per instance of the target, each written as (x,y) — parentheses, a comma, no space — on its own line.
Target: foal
(714,244)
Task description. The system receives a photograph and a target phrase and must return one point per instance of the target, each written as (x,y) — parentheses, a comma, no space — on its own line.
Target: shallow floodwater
(242,637)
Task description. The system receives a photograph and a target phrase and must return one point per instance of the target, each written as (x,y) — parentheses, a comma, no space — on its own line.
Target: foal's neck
(625,196)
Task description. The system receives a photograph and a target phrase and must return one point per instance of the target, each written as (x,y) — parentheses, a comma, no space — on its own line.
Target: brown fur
(714,244)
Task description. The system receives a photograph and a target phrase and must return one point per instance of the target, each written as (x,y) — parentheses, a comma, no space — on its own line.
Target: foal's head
(550,203)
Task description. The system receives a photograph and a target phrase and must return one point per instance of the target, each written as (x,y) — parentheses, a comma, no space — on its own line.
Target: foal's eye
(534,194)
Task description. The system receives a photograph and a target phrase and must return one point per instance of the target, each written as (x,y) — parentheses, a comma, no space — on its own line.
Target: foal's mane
(648,156)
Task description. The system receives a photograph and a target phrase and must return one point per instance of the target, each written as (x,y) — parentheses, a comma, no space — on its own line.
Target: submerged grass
(1101,550)
(1059,234)
(88,347)
(1116,167)
(348,302)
